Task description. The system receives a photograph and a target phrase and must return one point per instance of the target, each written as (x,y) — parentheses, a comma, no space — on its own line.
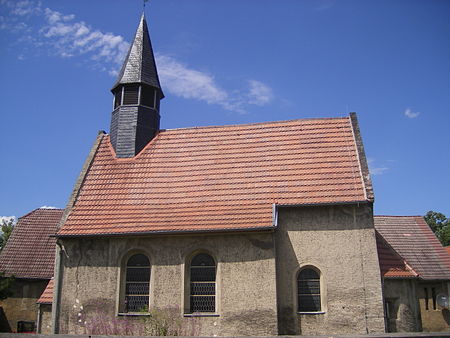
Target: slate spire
(139,65)
(137,92)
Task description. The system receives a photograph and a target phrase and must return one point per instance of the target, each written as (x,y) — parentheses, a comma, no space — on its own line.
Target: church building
(253,229)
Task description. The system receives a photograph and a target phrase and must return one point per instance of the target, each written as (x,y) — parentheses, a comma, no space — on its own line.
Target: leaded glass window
(308,291)
(203,283)
(137,283)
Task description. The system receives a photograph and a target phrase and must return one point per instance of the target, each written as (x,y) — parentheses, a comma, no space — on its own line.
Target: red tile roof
(413,240)
(47,295)
(219,178)
(30,251)
(391,264)
(447,248)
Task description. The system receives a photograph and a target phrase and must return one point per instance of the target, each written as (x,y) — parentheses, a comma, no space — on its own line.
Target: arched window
(137,283)
(308,282)
(203,284)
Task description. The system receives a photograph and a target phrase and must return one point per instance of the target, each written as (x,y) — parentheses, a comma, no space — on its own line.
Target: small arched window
(308,283)
(203,284)
(137,283)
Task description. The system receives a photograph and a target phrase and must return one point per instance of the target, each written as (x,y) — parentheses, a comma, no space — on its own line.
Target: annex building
(255,229)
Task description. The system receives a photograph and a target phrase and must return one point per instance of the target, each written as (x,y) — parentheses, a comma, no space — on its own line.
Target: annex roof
(392,265)
(220,178)
(30,251)
(415,242)
(47,295)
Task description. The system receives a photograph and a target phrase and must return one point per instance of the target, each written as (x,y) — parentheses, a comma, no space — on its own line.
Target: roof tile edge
(364,167)
(80,180)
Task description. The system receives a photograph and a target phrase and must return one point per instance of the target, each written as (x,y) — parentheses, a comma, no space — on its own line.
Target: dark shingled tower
(137,92)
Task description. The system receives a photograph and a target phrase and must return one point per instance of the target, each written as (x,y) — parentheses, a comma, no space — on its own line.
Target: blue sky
(229,62)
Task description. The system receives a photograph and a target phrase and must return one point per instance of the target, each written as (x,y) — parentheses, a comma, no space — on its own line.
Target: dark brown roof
(392,265)
(47,295)
(30,251)
(219,178)
(413,240)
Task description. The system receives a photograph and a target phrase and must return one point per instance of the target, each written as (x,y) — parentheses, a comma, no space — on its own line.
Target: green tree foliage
(7,226)
(6,282)
(440,225)
(5,286)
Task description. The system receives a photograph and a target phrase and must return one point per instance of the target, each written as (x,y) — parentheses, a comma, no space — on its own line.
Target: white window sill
(312,313)
(134,314)
(201,315)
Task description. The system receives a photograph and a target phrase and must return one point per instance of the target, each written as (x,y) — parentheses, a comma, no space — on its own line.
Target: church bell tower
(137,93)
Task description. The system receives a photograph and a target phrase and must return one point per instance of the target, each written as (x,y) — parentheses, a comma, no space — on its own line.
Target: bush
(159,322)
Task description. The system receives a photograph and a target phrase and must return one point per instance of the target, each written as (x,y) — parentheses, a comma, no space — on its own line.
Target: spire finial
(143,3)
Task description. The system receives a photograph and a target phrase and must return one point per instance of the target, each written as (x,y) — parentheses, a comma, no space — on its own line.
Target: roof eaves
(357,202)
(167,232)
(401,277)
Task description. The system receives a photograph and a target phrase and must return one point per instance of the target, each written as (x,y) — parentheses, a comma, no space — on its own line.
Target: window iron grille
(308,284)
(203,284)
(137,284)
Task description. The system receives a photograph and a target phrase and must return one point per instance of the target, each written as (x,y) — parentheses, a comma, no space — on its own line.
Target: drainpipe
(38,320)
(57,288)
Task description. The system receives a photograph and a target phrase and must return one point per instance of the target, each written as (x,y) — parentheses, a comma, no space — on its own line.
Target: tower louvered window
(131,94)
(203,284)
(137,285)
(308,291)
(148,96)
(117,97)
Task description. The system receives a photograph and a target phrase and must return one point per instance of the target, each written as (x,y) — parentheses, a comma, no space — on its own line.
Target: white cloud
(376,169)
(54,16)
(23,8)
(259,93)
(71,39)
(7,218)
(47,207)
(189,83)
(61,35)
(410,114)
(182,81)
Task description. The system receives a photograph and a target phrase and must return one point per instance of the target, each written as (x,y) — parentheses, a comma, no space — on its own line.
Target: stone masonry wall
(340,242)
(404,311)
(46,318)
(22,305)
(246,296)
(435,318)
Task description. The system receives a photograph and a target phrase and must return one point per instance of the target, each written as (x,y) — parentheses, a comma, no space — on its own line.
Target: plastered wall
(340,242)
(246,291)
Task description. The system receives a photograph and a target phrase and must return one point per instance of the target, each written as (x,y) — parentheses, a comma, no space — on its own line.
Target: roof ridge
(397,216)
(256,123)
(47,208)
(34,210)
